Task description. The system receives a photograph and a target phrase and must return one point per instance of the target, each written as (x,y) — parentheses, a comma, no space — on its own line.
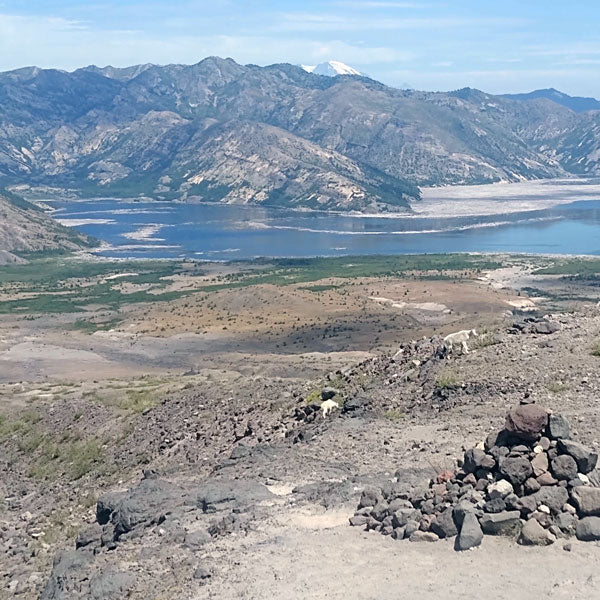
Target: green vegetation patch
(64,284)
(583,267)
(306,270)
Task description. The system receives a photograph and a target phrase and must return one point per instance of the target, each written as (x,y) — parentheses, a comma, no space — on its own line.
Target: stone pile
(530,480)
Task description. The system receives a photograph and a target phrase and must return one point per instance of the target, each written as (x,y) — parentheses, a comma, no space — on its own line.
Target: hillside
(575,103)
(25,228)
(277,135)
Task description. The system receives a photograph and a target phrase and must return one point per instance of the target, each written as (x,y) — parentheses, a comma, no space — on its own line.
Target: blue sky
(494,45)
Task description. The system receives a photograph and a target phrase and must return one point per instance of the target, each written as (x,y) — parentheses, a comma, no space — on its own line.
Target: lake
(143,229)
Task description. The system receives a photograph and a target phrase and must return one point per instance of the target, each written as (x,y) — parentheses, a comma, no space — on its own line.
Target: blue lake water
(140,229)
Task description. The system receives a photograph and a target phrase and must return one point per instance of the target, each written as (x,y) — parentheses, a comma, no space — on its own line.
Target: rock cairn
(530,480)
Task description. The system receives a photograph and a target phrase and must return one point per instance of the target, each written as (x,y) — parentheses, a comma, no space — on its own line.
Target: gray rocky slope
(26,228)
(277,135)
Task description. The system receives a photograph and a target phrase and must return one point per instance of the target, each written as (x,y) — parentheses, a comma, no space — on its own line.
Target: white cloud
(59,43)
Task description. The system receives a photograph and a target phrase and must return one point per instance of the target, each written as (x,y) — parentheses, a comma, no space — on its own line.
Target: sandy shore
(504,198)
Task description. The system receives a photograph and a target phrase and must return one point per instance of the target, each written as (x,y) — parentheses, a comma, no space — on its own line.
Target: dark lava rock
(587,500)
(110,584)
(531,486)
(470,534)
(328,393)
(564,467)
(558,428)
(223,494)
(444,525)
(588,529)
(496,505)
(356,404)
(69,569)
(476,459)
(585,458)
(90,536)
(526,422)
(554,497)
(517,470)
(504,523)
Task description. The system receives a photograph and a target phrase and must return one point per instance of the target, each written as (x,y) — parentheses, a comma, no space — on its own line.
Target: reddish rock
(526,421)
(445,476)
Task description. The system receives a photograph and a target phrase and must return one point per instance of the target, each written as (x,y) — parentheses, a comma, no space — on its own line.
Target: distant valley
(279,136)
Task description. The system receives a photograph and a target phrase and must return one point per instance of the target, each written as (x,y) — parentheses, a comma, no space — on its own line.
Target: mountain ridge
(279,135)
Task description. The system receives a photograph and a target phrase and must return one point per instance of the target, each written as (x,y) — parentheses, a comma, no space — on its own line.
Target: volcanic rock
(526,422)
(504,523)
(587,500)
(470,534)
(533,534)
(585,457)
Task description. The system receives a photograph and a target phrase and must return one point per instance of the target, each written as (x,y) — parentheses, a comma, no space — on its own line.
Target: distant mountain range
(575,103)
(218,131)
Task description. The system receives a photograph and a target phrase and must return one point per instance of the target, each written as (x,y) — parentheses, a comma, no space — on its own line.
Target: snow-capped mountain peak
(331,68)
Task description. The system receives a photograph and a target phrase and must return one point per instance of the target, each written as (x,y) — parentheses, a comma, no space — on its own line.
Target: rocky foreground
(246,490)
(529,480)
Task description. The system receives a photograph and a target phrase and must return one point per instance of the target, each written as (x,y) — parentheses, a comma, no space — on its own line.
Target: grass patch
(314,396)
(91,327)
(66,457)
(584,267)
(596,349)
(446,380)
(393,415)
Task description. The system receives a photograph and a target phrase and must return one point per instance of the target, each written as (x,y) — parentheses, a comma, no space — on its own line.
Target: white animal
(460,337)
(329,406)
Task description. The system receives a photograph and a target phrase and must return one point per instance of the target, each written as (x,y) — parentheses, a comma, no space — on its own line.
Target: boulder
(526,421)
(558,427)
(500,489)
(504,523)
(545,327)
(587,500)
(328,393)
(495,506)
(444,525)
(370,497)
(110,585)
(533,534)
(546,479)
(588,529)
(516,469)
(531,486)
(69,569)
(554,497)
(90,536)
(477,459)
(424,536)
(470,534)
(564,467)
(527,505)
(586,458)
(461,510)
